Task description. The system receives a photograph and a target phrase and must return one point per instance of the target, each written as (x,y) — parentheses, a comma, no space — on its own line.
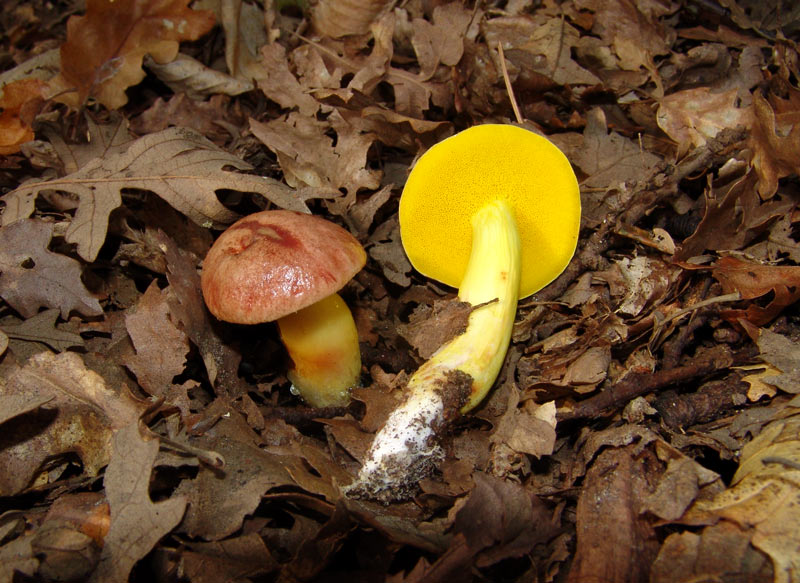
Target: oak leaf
(178,164)
(78,414)
(20,102)
(161,347)
(775,140)
(137,523)
(31,276)
(751,281)
(42,328)
(103,53)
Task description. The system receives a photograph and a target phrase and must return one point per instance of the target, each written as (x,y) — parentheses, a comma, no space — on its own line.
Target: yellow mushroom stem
(322,342)
(459,375)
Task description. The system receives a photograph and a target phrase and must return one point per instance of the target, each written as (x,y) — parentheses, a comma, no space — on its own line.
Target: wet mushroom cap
(272,263)
(462,173)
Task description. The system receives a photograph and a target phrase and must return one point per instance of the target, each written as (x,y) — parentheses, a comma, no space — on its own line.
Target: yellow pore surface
(459,175)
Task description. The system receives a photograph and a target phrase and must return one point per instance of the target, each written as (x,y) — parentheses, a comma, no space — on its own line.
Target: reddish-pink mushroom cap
(272,263)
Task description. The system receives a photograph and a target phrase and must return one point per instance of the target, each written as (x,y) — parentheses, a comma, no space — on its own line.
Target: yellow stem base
(323,343)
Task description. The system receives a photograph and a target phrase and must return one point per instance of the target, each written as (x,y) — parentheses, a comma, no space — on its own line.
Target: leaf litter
(644,425)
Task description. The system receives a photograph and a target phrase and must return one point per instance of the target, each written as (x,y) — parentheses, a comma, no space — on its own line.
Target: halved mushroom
(494,211)
(288,266)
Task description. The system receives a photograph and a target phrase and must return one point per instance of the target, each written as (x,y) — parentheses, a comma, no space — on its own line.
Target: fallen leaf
(42,328)
(775,140)
(220,499)
(614,541)
(234,559)
(751,281)
(79,416)
(20,101)
(161,347)
(186,305)
(178,164)
(337,18)
(188,76)
(278,83)
(103,53)
(693,116)
(721,552)
(784,356)
(761,497)
(310,157)
(31,276)
(511,520)
(137,523)
(430,327)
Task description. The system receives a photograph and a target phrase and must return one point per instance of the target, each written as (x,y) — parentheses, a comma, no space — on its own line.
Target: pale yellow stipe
(322,341)
(491,278)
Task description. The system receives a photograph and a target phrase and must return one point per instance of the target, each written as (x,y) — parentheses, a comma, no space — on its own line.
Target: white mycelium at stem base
(460,374)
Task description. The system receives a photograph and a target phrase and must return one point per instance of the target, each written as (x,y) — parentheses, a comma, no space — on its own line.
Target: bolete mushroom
(495,211)
(287,266)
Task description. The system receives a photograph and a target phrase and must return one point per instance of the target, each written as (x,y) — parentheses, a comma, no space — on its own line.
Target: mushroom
(287,266)
(495,211)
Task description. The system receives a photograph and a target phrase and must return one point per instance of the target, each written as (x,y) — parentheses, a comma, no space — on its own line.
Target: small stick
(507,81)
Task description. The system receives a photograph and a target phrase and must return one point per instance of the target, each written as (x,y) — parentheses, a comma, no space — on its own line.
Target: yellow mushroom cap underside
(460,174)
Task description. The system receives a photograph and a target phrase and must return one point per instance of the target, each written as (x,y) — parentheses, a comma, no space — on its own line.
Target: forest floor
(645,425)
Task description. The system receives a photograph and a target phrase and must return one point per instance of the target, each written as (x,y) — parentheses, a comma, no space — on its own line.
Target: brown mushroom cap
(272,263)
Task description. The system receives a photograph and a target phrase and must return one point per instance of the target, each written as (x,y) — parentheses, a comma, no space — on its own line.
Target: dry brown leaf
(278,83)
(762,497)
(751,281)
(189,76)
(721,552)
(137,523)
(733,215)
(784,356)
(103,53)
(31,276)
(775,140)
(79,416)
(219,499)
(42,328)
(512,520)
(188,310)
(693,116)
(20,101)
(429,327)
(337,18)
(440,41)
(614,541)
(234,559)
(208,118)
(161,347)
(308,156)
(178,164)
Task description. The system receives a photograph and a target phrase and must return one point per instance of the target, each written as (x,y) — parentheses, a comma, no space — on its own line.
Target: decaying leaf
(78,415)
(42,328)
(137,523)
(751,281)
(161,347)
(20,101)
(178,164)
(103,53)
(775,139)
(694,116)
(31,276)
(761,497)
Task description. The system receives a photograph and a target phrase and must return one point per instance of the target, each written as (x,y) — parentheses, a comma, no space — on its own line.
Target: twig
(507,81)
(637,384)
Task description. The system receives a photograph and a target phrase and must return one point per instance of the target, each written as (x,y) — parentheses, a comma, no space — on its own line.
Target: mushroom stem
(322,342)
(458,376)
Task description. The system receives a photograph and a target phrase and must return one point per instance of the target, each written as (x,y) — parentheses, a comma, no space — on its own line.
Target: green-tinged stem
(408,445)
(322,341)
